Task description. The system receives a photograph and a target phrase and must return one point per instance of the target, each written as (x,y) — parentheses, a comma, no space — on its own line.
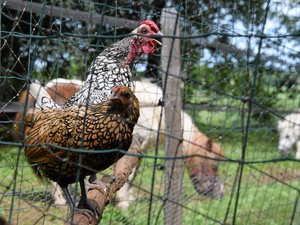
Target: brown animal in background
(104,126)
(206,181)
(203,171)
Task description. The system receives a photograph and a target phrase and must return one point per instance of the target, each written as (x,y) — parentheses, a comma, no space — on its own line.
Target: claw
(89,205)
(97,184)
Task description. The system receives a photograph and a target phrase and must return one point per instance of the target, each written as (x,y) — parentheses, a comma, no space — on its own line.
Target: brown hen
(105,126)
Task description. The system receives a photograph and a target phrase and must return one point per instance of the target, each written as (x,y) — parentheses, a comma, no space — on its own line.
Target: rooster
(111,67)
(108,125)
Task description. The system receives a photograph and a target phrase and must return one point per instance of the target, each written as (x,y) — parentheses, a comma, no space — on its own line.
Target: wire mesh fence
(237,152)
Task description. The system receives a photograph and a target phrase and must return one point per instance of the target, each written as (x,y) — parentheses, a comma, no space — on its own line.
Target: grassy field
(267,195)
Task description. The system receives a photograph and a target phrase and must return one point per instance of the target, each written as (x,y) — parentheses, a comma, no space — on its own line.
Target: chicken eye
(144,31)
(126,95)
(287,136)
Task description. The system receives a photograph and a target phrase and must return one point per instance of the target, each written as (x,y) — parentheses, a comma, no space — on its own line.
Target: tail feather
(43,99)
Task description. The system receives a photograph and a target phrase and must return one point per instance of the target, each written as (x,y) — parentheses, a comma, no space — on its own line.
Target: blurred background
(239,75)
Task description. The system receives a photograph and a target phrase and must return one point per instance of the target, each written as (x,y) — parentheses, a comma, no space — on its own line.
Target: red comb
(151,24)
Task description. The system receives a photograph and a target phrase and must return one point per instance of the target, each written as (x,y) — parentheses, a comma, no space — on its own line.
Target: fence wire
(240,80)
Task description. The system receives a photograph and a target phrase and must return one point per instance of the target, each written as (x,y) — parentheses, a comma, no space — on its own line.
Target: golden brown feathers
(104,126)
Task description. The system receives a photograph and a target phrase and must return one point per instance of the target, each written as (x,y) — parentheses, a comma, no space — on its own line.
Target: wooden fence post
(172,109)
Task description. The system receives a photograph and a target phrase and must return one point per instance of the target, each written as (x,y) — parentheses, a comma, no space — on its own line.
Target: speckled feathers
(113,65)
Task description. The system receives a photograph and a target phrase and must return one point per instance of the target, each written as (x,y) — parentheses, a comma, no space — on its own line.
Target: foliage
(204,84)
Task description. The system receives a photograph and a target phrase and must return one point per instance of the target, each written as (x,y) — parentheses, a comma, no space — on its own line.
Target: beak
(111,96)
(157,42)
(157,35)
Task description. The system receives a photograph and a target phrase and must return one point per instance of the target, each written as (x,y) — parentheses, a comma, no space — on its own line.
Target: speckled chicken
(112,67)
(104,126)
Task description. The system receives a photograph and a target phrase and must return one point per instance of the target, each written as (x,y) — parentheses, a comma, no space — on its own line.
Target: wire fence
(239,76)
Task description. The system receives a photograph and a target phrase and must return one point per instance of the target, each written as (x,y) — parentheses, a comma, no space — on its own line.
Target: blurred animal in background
(104,126)
(202,168)
(204,171)
(289,134)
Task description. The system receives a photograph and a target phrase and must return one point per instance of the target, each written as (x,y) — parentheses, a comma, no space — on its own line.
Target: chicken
(112,66)
(104,126)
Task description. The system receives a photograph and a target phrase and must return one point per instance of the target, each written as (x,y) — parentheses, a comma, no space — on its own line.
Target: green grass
(262,199)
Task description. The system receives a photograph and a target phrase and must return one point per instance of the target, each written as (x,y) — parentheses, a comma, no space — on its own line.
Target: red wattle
(148,49)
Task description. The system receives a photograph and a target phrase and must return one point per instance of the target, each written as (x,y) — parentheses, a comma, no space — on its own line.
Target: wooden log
(56,11)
